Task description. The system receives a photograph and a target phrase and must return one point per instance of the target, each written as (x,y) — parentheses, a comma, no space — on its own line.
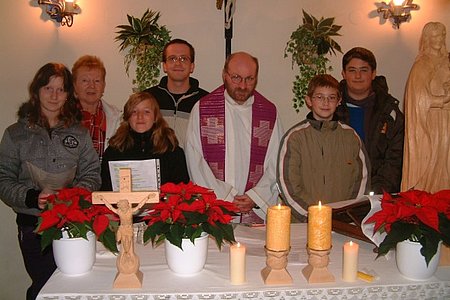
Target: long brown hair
(163,137)
(32,108)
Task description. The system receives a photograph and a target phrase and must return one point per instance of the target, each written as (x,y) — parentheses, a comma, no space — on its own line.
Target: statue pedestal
(128,281)
(275,272)
(317,269)
(128,274)
(445,256)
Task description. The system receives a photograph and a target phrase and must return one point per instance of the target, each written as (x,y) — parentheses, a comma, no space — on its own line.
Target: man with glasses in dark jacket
(177,92)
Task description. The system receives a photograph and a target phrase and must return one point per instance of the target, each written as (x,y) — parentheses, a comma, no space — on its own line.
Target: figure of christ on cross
(128,261)
(128,275)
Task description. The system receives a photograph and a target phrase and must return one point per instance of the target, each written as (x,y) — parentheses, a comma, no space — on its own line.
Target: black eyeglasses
(238,79)
(181,59)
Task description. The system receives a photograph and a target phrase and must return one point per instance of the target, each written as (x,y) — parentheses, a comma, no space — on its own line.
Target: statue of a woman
(426,162)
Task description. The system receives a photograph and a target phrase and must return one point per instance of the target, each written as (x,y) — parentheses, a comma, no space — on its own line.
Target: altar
(214,281)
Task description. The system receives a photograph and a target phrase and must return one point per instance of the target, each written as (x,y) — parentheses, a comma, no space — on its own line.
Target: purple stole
(212,133)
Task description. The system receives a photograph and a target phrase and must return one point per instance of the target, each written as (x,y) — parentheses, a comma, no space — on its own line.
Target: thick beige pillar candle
(278,231)
(237,263)
(319,227)
(350,261)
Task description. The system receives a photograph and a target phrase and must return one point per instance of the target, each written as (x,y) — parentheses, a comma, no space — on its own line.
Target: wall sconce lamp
(61,10)
(397,10)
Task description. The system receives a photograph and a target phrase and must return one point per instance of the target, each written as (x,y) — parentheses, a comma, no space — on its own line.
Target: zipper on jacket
(324,181)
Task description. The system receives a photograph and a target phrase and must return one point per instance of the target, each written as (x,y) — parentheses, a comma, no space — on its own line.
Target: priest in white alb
(233,138)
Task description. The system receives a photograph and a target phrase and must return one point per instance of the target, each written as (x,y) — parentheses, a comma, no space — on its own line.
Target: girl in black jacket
(144,134)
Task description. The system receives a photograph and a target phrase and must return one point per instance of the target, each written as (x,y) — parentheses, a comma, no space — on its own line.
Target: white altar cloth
(214,281)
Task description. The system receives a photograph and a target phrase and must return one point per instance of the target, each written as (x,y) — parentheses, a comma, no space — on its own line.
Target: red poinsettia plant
(414,215)
(71,214)
(186,211)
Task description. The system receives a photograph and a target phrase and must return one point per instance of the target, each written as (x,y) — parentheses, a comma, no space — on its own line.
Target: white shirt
(237,156)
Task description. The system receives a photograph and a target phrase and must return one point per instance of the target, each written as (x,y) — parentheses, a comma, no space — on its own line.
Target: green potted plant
(144,39)
(308,45)
(70,223)
(71,214)
(417,221)
(187,210)
(185,218)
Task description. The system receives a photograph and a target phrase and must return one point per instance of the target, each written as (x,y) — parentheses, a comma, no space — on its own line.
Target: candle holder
(317,269)
(275,272)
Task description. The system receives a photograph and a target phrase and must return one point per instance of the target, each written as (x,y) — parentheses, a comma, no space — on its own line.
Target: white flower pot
(412,264)
(75,256)
(191,259)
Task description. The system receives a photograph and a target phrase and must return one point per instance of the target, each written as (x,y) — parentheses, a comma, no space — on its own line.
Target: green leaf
(307,19)
(323,47)
(157,228)
(174,238)
(176,229)
(48,236)
(108,239)
(195,217)
(196,233)
(216,233)
(139,33)
(159,241)
(189,232)
(399,232)
(335,29)
(228,233)
(147,235)
(315,21)
(430,241)
(84,204)
(308,45)
(334,45)
(79,230)
(444,228)
(326,23)
(136,24)
(130,19)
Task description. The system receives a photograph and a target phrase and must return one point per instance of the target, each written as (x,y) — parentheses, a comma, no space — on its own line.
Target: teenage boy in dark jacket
(368,107)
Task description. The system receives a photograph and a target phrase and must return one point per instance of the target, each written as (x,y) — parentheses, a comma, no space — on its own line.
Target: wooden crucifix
(128,273)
